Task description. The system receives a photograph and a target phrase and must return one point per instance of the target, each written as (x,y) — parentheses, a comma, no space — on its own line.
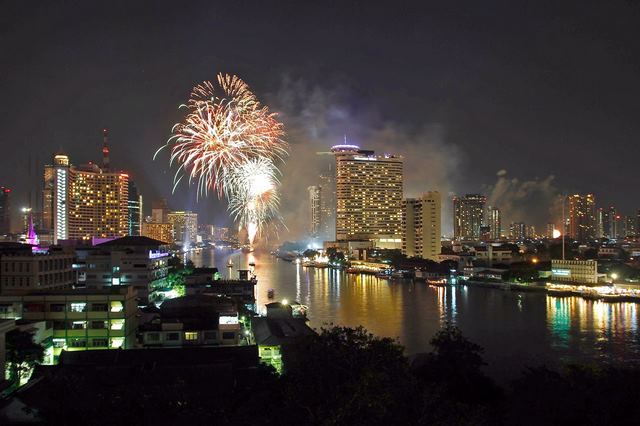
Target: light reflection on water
(515,329)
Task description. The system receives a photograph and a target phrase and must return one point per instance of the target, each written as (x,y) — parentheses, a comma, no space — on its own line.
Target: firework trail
(230,144)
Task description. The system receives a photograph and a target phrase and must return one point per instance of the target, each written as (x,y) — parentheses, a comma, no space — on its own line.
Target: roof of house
(279,331)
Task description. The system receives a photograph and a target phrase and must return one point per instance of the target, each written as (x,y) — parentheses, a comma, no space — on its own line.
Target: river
(516,329)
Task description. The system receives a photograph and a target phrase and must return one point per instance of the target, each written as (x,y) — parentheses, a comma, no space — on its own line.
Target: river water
(516,329)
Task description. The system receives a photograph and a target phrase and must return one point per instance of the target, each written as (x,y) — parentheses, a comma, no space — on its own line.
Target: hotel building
(582,217)
(368,196)
(468,212)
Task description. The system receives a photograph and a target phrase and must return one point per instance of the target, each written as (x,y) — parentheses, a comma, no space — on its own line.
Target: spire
(105,150)
(32,237)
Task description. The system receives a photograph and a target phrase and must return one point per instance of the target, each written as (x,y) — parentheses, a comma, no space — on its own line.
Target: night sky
(535,88)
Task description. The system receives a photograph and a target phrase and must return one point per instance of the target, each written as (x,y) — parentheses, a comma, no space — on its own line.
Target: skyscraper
(517,231)
(494,222)
(134,210)
(422,226)
(5,210)
(468,212)
(55,198)
(582,217)
(327,230)
(368,196)
(314,210)
(185,226)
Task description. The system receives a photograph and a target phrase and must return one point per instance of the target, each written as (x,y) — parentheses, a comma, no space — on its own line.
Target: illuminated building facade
(82,319)
(327,229)
(468,212)
(517,231)
(55,198)
(494,222)
(422,226)
(158,231)
(185,226)
(368,196)
(582,217)
(98,203)
(574,271)
(314,210)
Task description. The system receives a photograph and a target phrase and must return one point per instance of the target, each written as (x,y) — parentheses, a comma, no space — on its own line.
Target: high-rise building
(422,226)
(55,198)
(159,211)
(517,231)
(582,217)
(158,231)
(5,210)
(494,222)
(368,196)
(185,226)
(468,212)
(314,210)
(550,228)
(606,222)
(630,226)
(134,208)
(98,203)
(327,230)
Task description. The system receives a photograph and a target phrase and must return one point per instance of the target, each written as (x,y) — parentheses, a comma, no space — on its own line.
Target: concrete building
(468,214)
(422,226)
(582,217)
(327,205)
(494,221)
(22,269)
(575,271)
(55,196)
(194,320)
(490,255)
(139,262)
(368,196)
(517,231)
(185,226)
(315,215)
(5,210)
(134,208)
(82,318)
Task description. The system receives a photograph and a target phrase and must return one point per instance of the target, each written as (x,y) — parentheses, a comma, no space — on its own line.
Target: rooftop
(129,241)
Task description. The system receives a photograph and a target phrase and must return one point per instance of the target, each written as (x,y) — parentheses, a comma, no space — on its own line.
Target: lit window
(191,335)
(117,342)
(116,306)
(117,324)
(78,307)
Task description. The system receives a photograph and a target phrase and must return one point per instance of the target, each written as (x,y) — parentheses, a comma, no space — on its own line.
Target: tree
(22,354)
(346,376)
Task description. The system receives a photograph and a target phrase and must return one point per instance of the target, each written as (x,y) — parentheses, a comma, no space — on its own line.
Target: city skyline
(435,119)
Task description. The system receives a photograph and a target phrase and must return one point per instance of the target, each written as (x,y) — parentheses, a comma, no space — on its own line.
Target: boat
(270,293)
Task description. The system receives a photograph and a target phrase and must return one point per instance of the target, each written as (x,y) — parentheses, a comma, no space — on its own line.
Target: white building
(422,226)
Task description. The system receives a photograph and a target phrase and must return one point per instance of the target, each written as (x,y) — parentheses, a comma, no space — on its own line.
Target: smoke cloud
(534,202)
(317,118)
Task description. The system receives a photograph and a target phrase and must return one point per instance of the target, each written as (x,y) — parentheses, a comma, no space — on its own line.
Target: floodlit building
(185,226)
(55,197)
(368,196)
(582,217)
(82,318)
(23,269)
(575,271)
(158,231)
(134,208)
(422,226)
(468,212)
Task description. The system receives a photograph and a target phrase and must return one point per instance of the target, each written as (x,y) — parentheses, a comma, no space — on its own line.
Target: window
(78,343)
(98,325)
(99,307)
(57,307)
(172,336)
(116,306)
(34,307)
(59,343)
(153,337)
(79,325)
(117,324)
(209,335)
(228,335)
(100,343)
(59,325)
(78,307)
(117,342)
(191,335)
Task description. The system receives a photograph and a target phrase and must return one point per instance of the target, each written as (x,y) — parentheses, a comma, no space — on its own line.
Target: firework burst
(230,144)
